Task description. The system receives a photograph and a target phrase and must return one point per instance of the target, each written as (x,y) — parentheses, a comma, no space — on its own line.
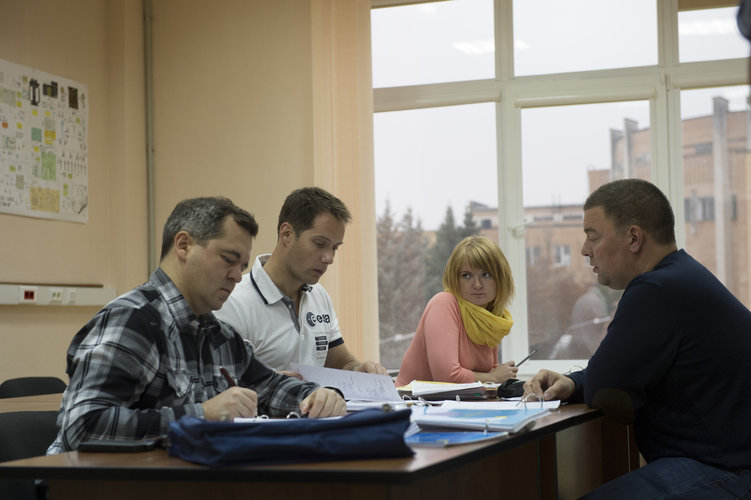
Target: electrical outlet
(56,296)
(27,294)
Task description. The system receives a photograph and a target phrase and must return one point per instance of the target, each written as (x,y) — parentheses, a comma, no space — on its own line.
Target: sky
(432,158)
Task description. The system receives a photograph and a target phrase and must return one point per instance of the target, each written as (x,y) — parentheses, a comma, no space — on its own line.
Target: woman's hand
(499,374)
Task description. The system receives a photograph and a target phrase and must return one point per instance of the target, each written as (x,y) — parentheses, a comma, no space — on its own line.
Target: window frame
(660,85)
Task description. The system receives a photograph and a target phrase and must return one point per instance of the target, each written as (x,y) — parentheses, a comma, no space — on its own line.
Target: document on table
(440,391)
(421,388)
(354,385)
(501,405)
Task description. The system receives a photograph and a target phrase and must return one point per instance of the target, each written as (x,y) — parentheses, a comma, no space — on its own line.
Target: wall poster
(43,144)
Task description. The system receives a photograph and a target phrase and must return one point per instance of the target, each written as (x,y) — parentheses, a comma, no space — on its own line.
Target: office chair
(25,434)
(31,386)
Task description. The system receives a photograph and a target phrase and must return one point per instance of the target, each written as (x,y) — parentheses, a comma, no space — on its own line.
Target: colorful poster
(43,144)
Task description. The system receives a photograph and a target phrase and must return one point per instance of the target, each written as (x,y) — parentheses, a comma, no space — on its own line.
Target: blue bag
(364,434)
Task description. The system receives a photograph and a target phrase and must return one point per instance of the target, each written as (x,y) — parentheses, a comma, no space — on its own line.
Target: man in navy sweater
(675,359)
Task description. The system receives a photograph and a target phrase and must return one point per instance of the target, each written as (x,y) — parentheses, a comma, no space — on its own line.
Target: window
(708,34)
(553,36)
(433,159)
(715,167)
(567,151)
(533,255)
(433,166)
(699,210)
(706,209)
(609,89)
(562,255)
(433,42)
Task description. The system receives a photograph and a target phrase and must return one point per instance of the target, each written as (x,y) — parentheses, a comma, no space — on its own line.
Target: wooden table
(567,453)
(42,402)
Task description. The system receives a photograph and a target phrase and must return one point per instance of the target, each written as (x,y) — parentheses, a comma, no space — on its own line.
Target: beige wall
(97,43)
(251,100)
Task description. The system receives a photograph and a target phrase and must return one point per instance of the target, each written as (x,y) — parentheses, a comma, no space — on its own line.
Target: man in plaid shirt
(154,354)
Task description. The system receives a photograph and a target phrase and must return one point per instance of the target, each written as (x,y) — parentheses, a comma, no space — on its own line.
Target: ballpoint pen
(528,356)
(227,376)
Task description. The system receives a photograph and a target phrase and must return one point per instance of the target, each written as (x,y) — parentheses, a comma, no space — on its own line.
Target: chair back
(25,434)
(31,386)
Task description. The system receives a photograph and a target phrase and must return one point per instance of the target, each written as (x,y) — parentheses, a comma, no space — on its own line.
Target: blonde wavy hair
(478,252)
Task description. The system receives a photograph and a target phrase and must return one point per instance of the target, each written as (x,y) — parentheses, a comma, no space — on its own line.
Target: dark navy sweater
(680,346)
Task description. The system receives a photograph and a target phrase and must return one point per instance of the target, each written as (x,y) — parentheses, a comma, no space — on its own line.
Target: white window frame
(660,85)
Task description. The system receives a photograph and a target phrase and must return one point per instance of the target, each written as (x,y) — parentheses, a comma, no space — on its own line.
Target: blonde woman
(458,335)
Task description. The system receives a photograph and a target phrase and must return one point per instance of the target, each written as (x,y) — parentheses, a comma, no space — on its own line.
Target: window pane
(433,43)
(430,164)
(709,34)
(551,36)
(715,155)
(567,152)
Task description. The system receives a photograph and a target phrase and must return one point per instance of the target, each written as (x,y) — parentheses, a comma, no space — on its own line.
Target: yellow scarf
(483,327)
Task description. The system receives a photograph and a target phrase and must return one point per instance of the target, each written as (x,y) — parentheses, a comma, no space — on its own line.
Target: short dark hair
(203,218)
(303,205)
(629,202)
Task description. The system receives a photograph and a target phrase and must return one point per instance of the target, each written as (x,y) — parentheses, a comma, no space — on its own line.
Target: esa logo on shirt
(313,319)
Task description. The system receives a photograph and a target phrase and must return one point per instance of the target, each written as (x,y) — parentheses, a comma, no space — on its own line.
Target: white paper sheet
(501,405)
(354,385)
(420,388)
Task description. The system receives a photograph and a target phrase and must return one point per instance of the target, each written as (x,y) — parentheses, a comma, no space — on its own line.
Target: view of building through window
(567,152)
(437,180)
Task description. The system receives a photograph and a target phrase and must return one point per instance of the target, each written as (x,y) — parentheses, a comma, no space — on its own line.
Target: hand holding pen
(234,402)
(227,376)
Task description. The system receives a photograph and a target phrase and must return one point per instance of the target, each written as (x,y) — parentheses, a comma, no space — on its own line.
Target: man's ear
(635,236)
(183,242)
(286,233)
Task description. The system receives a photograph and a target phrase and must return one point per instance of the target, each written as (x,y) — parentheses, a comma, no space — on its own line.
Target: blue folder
(364,434)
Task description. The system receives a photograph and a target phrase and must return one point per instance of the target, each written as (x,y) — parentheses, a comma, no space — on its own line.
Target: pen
(227,376)
(528,356)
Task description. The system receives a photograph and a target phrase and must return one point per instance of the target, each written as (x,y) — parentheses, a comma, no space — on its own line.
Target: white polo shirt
(261,313)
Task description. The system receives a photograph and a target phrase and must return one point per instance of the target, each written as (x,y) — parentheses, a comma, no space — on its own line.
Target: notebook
(478,419)
(451,438)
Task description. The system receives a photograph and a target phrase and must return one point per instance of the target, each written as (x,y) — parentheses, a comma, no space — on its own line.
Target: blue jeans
(668,478)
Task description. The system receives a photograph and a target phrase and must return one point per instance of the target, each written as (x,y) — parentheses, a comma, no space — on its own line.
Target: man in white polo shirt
(279,306)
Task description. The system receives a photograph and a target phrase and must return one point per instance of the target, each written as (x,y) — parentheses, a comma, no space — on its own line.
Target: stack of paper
(516,404)
(439,391)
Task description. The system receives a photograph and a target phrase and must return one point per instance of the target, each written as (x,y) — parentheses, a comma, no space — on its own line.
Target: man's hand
(234,402)
(550,385)
(371,367)
(323,403)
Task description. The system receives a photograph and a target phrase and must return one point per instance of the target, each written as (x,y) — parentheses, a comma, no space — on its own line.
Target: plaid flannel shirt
(146,360)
